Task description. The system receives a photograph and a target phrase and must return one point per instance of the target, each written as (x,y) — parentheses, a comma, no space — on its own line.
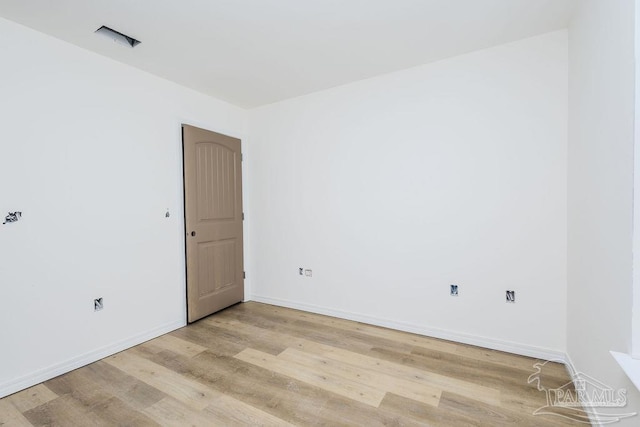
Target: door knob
(193,233)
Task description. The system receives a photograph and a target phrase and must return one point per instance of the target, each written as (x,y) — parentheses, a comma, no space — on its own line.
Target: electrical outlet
(98,304)
(308,273)
(511,296)
(454,290)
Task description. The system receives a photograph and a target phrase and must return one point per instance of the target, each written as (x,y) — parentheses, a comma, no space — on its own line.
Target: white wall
(91,154)
(392,188)
(600,190)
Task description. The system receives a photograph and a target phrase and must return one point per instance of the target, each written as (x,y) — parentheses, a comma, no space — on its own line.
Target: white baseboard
(53,371)
(494,344)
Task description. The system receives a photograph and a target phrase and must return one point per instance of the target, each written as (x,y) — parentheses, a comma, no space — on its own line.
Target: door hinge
(241,157)
(244,274)
(243,216)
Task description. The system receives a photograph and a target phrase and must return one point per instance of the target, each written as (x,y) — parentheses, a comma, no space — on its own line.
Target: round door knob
(193,233)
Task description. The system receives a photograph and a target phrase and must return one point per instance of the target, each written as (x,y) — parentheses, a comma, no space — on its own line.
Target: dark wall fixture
(12,217)
(117,36)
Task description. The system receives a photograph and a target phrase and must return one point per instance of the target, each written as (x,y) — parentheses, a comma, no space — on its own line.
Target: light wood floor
(256,364)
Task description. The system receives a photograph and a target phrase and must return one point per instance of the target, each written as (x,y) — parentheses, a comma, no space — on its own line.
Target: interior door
(213,221)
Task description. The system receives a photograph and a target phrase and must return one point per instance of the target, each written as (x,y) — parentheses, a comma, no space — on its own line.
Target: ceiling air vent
(118,37)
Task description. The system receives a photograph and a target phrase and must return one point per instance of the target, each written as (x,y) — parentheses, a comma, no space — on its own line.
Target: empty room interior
(444,188)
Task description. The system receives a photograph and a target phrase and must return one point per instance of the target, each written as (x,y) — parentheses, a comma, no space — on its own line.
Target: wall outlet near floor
(453,290)
(511,296)
(98,304)
(308,272)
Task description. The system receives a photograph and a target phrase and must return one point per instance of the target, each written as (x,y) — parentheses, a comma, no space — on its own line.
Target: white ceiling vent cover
(118,37)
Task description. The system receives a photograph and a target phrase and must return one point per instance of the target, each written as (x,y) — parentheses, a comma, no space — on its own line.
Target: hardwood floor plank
(507,359)
(255,341)
(348,415)
(478,374)
(112,381)
(31,397)
(11,416)
(232,413)
(427,414)
(504,415)
(64,411)
(224,411)
(489,374)
(377,380)
(192,393)
(169,412)
(322,378)
(176,345)
(81,392)
(189,392)
(420,376)
(114,412)
(209,337)
(231,324)
(269,391)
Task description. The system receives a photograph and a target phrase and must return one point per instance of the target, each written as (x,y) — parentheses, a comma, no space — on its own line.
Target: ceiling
(255,52)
